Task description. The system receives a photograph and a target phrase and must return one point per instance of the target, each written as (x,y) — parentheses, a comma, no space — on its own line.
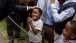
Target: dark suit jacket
(33,3)
(8,6)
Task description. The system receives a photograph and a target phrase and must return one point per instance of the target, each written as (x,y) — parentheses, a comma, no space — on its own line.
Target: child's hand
(29,21)
(52,1)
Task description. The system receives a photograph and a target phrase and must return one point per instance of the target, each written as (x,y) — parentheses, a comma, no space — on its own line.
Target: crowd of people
(47,19)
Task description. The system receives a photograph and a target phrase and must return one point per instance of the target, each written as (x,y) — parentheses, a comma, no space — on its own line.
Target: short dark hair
(73,24)
(39,9)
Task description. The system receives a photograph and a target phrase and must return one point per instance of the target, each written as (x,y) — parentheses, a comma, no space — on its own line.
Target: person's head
(36,13)
(70,30)
(24,1)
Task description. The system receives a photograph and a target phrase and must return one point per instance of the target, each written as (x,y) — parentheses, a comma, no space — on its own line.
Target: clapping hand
(29,21)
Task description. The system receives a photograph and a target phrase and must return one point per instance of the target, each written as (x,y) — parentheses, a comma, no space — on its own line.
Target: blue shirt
(49,17)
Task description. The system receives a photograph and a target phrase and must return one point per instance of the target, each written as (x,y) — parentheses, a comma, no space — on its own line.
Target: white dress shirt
(64,14)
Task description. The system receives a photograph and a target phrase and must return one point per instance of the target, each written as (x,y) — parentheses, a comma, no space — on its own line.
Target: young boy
(34,26)
(69,33)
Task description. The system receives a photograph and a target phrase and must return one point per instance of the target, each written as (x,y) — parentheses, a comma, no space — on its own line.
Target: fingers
(29,20)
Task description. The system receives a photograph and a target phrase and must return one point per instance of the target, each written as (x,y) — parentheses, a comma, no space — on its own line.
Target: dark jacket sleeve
(3,8)
(6,7)
(33,3)
(20,8)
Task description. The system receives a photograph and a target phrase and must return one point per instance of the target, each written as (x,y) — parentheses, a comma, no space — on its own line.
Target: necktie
(66,41)
(44,11)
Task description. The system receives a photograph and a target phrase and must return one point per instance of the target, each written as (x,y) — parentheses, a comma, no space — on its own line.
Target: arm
(27,27)
(29,20)
(20,8)
(57,4)
(63,15)
(38,27)
(24,8)
(3,9)
(34,29)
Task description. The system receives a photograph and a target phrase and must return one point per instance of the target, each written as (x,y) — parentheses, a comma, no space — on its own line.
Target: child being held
(34,26)
(69,33)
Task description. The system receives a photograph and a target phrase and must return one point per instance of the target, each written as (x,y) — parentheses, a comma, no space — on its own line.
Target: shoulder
(60,39)
(40,21)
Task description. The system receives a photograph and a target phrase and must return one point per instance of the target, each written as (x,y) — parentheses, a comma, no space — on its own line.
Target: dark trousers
(24,18)
(48,33)
(33,42)
(11,26)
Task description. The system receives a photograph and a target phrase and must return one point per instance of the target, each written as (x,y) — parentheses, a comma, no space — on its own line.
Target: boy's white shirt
(36,37)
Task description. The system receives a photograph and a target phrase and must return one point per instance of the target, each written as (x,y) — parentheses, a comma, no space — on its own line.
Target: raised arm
(24,8)
(63,15)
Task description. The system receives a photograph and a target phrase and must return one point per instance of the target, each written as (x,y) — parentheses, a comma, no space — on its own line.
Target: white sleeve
(27,7)
(39,26)
(37,3)
(63,15)
(57,4)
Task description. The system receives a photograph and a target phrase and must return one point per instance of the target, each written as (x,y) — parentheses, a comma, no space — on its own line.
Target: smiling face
(35,14)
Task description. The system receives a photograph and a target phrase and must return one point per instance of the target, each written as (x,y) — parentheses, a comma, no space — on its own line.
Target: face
(67,31)
(35,14)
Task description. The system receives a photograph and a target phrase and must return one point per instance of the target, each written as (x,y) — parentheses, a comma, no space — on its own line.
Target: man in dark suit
(8,7)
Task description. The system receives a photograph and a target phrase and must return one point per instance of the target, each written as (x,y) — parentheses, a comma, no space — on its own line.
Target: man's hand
(32,7)
(52,1)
